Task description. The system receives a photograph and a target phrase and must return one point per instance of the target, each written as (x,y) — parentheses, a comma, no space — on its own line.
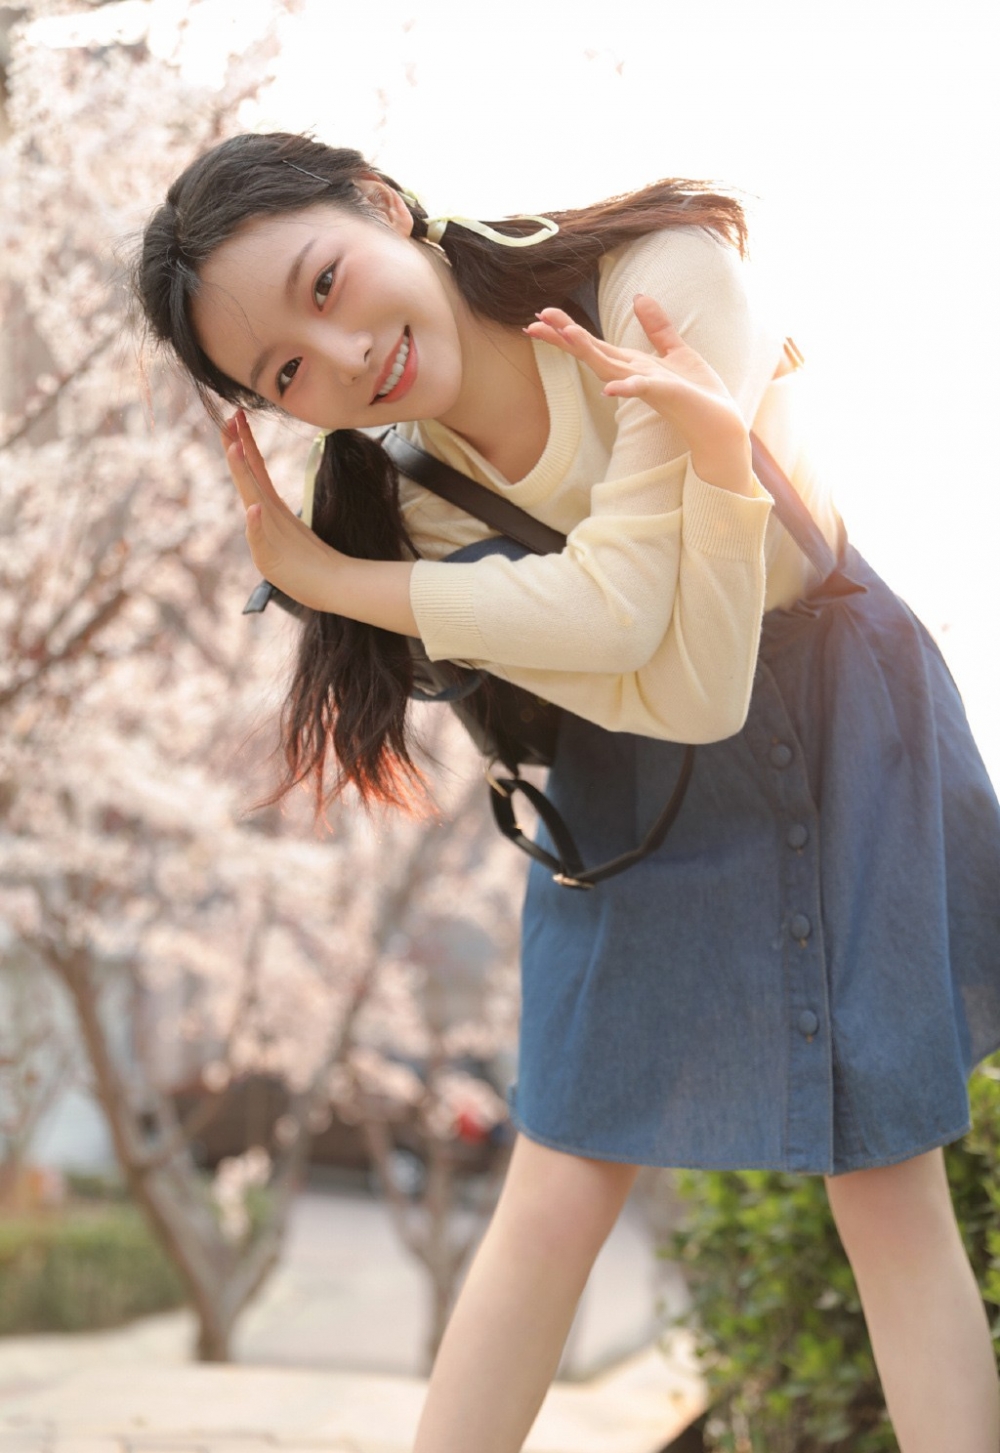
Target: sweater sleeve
(656,601)
(696,685)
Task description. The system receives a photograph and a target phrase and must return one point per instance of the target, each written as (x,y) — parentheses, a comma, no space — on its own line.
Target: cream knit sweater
(649,620)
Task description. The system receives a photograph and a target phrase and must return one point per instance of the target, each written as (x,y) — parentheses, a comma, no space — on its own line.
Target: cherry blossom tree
(39,1061)
(191,935)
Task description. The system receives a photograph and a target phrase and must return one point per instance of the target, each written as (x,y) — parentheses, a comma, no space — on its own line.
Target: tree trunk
(219,1278)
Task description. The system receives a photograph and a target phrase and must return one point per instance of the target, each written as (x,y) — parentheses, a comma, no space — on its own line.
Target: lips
(401,366)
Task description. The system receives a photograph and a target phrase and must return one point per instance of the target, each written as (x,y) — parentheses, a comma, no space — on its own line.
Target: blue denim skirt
(805,973)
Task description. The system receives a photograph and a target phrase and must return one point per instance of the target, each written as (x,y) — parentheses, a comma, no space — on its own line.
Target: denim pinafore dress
(804,974)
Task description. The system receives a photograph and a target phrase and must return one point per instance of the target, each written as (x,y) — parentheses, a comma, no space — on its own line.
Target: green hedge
(782,1340)
(81,1268)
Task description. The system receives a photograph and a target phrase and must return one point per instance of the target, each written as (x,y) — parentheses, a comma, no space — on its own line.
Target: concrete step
(636,1407)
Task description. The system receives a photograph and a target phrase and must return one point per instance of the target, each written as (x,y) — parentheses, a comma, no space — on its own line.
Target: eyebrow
(291,284)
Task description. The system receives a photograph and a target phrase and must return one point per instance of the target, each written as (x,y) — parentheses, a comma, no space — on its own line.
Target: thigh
(904,1206)
(555,1197)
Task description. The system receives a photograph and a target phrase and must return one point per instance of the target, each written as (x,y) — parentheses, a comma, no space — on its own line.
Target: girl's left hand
(675,381)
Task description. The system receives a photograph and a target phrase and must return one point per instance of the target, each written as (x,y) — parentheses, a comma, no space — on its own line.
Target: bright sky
(866,130)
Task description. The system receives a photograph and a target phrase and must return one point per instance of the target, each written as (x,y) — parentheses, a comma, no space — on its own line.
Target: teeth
(396,371)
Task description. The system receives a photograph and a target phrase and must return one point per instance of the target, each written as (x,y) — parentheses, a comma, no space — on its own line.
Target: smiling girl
(805,972)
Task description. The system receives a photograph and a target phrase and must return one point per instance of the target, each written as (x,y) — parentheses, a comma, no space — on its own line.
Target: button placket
(809,1105)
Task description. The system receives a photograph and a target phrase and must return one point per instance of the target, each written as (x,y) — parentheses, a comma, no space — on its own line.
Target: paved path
(345,1297)
(348,1295)
(636,1408)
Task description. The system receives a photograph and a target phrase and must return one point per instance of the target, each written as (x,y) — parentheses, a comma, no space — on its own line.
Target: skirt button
(800,927)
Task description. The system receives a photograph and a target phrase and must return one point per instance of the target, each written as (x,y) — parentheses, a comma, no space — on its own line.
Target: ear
(388,203)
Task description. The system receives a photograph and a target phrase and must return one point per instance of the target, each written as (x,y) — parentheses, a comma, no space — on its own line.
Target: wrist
(376,592)
(726,462)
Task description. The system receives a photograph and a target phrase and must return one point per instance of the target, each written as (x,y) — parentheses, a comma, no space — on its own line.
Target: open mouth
(397,371)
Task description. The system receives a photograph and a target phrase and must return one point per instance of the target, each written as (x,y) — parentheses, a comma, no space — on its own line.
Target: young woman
(805,973)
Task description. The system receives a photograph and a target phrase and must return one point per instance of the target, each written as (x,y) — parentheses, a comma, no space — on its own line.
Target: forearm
(608,601)
(374,591)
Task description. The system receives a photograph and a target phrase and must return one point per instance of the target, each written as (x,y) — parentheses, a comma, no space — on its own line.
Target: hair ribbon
(312,469)
(547,228)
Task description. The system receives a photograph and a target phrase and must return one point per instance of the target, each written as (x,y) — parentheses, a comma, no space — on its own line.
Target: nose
(347,353)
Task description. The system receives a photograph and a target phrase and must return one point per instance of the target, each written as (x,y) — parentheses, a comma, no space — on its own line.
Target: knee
(560,1204)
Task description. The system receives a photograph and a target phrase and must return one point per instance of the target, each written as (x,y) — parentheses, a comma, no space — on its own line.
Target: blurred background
(231,1043)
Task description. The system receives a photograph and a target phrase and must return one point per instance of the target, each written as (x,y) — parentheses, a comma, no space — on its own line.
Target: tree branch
(38,411)
(73,647)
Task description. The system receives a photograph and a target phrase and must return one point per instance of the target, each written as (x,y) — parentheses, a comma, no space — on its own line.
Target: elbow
(719,726)
(708,716)
(724,716)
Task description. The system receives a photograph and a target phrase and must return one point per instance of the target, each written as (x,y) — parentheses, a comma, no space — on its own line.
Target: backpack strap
(475,499)
(565,862)
(566,865)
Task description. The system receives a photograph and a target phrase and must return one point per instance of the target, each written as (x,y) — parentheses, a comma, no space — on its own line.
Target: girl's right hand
(675,381)
(298,562)
(284,550)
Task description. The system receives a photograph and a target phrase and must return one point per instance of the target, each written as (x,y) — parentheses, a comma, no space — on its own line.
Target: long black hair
(352,681)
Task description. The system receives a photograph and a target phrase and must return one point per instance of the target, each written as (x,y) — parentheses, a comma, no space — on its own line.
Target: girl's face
(338,319)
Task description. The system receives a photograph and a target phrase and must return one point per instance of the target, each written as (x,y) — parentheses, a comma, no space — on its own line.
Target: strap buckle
(496,786)
(565,881)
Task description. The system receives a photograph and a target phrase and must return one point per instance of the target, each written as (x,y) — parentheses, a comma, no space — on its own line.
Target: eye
(324,283)
(286,375)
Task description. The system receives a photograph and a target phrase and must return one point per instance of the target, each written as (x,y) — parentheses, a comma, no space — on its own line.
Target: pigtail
(509,284)
(352,682)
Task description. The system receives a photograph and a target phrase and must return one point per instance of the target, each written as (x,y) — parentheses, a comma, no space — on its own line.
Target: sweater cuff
(441,601)
(720,523)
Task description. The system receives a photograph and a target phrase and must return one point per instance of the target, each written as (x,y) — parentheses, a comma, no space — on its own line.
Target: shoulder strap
(458,489)
(792,510)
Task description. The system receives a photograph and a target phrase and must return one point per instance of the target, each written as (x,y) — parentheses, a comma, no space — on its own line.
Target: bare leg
(925,1317)
(503,1343)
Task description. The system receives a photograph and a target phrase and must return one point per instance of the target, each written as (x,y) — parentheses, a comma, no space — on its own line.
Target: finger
(575,333)
(602,358)
(655,324)
(255,460)
(246,486)
(640,386)
(555,317)
(554,326)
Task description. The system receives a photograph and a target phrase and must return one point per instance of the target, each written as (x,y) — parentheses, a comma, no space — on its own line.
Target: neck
(501,409)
